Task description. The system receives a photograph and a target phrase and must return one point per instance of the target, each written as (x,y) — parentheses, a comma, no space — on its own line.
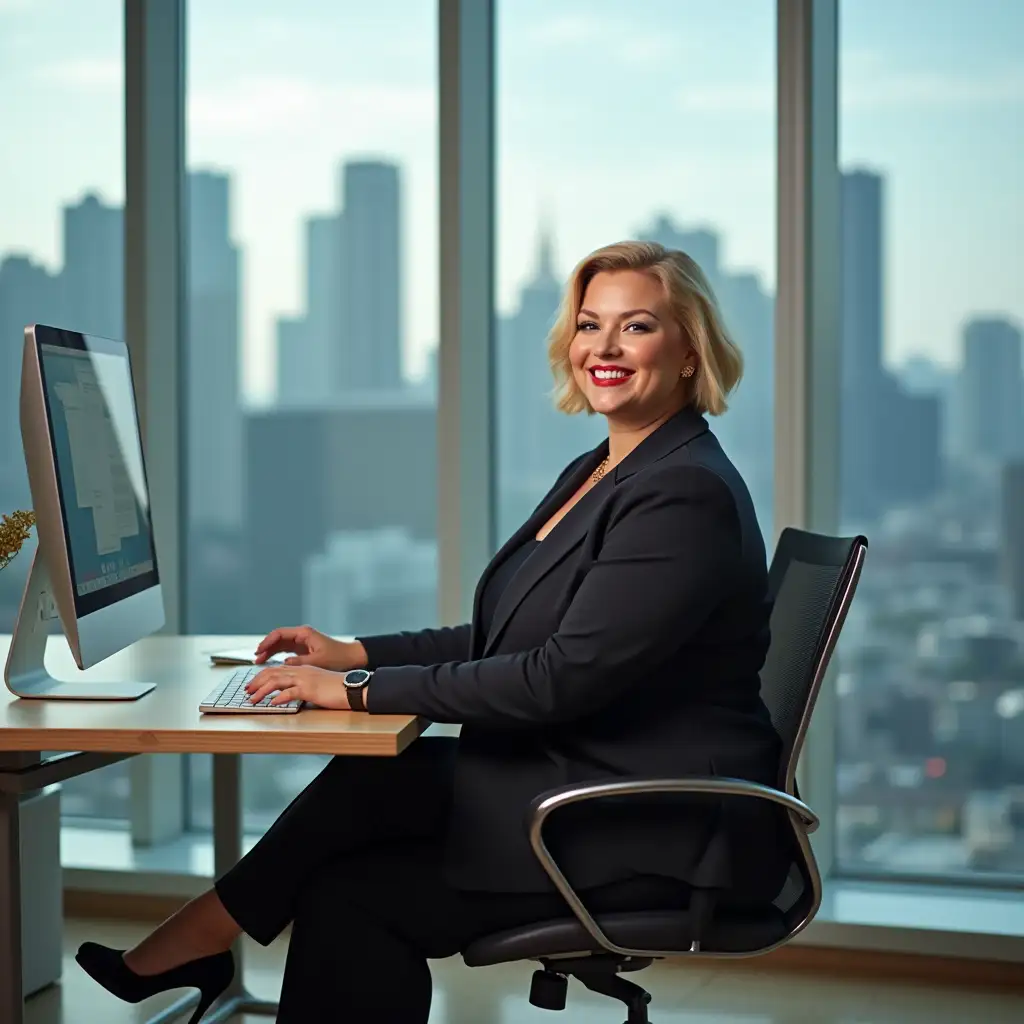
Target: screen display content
(101,476)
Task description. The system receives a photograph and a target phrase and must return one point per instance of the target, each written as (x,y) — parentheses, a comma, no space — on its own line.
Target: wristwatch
(355,682)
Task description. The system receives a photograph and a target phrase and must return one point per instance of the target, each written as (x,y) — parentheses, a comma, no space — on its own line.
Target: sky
(608,113)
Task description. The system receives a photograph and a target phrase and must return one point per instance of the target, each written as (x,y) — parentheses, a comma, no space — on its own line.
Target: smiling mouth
(609,376)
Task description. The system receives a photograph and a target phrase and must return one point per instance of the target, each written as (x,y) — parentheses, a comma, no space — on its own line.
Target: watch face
(357,677)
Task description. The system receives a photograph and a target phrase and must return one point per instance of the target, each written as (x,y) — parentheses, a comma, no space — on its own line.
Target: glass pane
(651,120)
(931,687)
(61,239)
(312,141)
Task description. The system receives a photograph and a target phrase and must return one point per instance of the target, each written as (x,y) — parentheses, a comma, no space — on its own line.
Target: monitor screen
(100,472)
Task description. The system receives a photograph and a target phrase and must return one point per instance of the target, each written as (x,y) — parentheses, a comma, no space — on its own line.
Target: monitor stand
(25,673)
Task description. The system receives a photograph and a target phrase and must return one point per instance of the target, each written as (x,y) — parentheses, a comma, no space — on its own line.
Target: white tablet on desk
(240,656)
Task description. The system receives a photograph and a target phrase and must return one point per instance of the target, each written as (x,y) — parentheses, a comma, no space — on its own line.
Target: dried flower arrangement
(14,531)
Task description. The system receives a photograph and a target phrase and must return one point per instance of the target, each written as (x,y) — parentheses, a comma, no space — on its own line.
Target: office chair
(811,583)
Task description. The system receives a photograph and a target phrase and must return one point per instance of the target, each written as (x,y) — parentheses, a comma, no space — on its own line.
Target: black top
(629,644)
(501,578)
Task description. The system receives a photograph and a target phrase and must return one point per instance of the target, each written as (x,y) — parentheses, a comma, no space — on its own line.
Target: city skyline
(295,94)
(942,595)
(83,221)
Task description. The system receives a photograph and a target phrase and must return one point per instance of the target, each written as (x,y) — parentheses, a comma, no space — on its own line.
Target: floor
(701,994)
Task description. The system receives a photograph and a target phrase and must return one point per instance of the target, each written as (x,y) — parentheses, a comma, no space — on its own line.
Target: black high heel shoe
(210,974)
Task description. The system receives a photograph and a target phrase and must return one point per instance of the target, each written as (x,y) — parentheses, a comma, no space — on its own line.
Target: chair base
(600,974)
(227,1008)
(635,997)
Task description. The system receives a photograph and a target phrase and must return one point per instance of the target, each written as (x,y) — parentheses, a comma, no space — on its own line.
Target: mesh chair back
(810,583)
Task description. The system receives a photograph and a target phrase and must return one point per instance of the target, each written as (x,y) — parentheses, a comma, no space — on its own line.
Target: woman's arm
(671,553)
(424,647)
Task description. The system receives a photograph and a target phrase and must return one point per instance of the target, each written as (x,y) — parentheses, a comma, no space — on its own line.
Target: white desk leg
(12,999)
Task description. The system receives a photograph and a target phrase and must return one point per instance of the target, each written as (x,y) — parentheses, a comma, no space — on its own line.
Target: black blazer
(629,644)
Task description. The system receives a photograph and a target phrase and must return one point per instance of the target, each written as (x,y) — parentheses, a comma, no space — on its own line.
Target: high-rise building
(749,313)
(701,244)
(1012,535)
(369,354)
(993,389)
(29,293)
(294,386)
(215,481)
(890,438)
(861,373)
(861,277)
(309,345)
(323,301)
(907,462)
(340,484)
(93,274)
(371,581)
(535,440)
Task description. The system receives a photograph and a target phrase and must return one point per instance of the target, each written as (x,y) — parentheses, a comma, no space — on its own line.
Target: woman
(619,632)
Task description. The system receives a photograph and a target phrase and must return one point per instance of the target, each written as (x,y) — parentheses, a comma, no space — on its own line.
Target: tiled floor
(704,994)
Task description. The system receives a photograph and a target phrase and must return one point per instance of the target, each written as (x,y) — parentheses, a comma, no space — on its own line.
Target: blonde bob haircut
(719,361)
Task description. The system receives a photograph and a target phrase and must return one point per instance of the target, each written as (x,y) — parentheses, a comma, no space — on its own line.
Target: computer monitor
(95,565)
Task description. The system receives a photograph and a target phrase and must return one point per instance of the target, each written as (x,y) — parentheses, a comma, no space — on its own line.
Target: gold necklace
(601,470)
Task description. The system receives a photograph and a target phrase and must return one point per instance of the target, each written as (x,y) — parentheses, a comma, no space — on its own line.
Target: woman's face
(628,351)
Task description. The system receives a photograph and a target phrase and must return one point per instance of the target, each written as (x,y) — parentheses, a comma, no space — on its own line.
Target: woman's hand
(311,647)
(316,685)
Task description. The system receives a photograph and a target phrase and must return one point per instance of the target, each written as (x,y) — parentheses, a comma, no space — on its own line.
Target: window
(312,320)
(931,682)
(655,122)
(61,241)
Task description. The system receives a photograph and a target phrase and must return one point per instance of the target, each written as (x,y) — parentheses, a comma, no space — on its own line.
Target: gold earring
(687,371)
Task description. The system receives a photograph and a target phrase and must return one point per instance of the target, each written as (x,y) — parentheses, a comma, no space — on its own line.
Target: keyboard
(230,697)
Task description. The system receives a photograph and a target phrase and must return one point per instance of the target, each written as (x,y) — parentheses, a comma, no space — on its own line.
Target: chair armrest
(549,802)
(553,799)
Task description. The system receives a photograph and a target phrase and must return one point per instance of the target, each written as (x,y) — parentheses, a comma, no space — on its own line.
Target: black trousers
(355,864)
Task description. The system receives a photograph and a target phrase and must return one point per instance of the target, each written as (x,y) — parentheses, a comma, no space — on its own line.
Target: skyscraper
(749,311)
(890,439)
(535,440)
(323,299)
(370,351)
(215,479)
(993,390)
(93,275)
(340,483)
(861,279)
(29,293)
(700,244)
(861,342)
(308,345)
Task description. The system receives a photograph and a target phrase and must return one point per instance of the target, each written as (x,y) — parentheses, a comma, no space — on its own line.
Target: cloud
(262,103)
(930,90)
(640,49)
(868,81)
(95,74)
(727,98)
(566,28)
(616,37)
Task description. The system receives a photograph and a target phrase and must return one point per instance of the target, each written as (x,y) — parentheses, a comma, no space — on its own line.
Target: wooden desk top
(167,720)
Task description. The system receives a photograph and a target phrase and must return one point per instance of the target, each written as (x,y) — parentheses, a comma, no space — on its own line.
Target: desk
(163,722)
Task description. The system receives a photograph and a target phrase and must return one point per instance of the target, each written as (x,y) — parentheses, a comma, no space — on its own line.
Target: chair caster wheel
(548,990)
